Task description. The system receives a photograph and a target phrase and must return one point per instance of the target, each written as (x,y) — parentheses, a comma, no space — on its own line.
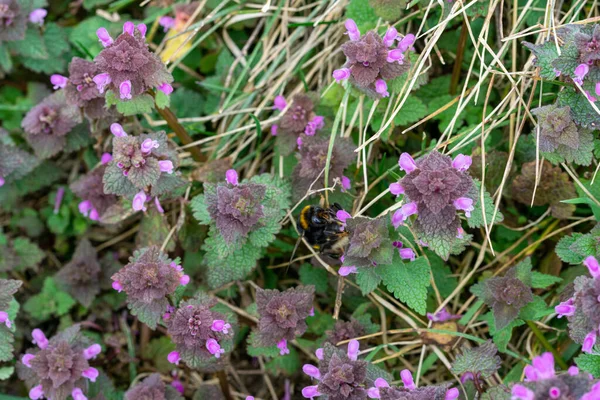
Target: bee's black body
(323,230)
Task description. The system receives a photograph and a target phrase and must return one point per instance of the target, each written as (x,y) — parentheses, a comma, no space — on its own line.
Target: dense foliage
(344,200)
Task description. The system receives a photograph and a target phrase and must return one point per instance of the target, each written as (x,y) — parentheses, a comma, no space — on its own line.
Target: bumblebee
(323,230)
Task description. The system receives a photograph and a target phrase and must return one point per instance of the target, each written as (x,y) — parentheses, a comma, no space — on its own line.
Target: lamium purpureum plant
(202,331)
(299,121)
(371,61)
(149,278)
(583,308)
(143,168)
(243,218)
(282,315)
(90,189)
(436,189)
(81,277)
(59,367)
(15,163)
(369,244)
(129,70)
(152,388)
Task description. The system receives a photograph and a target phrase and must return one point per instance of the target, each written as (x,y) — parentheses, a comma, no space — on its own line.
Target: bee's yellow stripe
(303,221)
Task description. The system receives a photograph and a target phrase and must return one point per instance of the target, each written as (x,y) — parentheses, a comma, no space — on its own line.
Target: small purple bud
(125,90)
(573,370)
(166,166)
(460,233)
(92,351)
(117,130)
(592,265)
(2,181)
(580,72)
(465,204)
(36,392)
(390,36)
(520,392)
(462,162)
(214,348)
(345,271)
(139,201)
(353,347)
(597,90)
(311,313)
(279,103)
(346,184)
(60,193)
(407,254)
(166,22)
(589,96)
(403,213)
(184,280)
(343,215)
(94,216)
(299,142)
(178,385)
(283,348)
(589,342)
(381,88)
(353,32)
(4,319)
(218,325)
(396,189)
(554,392)
(174,357)
(565,309)
(148,144)
(231,176)
(407,163)
(407,379)
(452,394)
(544,364)
(311,391)
(395,56)
(58,81)
(77,394)
(142,28)
(158,206)
(166,88)
(406,42)
(341,74)
(91,373)
(397,244)
(274,129)
(105,158)
(26,359)
(104,37)
(39,338)
(311,371)
(117,286)
(128,27)
(101,81)
(37,16)
(319,353)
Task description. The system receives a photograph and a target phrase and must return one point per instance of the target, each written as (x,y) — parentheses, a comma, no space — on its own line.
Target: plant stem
(130,349)
(460,52)
(180,131)
(224,383)
(557,357)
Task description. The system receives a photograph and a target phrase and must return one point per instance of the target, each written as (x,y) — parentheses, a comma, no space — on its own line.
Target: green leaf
(368,279)
(6,372)
(362,13)
(6,63)
(412,111)
(255,349)
(316,276)
(154,229)
(535,310)
(589,363)
(287,364)
(141,104)
(568,254)
(6,344)
(478,360)
(408,281)
(545,55)
(442,274)
(543,281)
(32,46)
(146,174)
(50,301)
(30,255)
(501,337)
(117,183)
(581,110)
(149,313)
(162,100)
(476,219)
(157,350)
(200,209)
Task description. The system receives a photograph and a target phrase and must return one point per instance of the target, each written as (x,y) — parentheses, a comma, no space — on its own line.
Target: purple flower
(105,158)
(166,166)
(47,124)
(214,348)
(346,184)
(390,36)
(90,188)
(341,74)
(396,189)
(279,103)
(166,88)
(282,315)
(465,204)
(101,81)
(407,254)
(407,379)
(580,72)
(129,65)
(4,319)
(37,16)
(406,42)
(166,22)
(565,309)
(91,352)
(220,325)
(283,348)
(139,201)
(231,176)
(274,129)
(588,342)
(352,30)
(592,265)
(343,215)
(381,88)
(520,392)
(147,146)
(104,37)
(402,214)
(36,392)
(407,163)
(442,316)
(462,162)
(174,357)
(117,130)
(58,81)
(345,271)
